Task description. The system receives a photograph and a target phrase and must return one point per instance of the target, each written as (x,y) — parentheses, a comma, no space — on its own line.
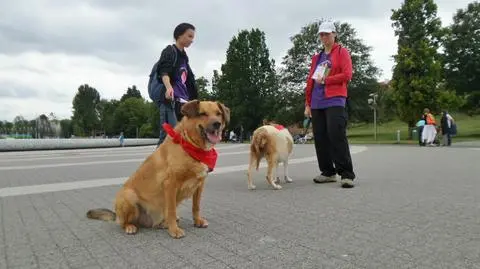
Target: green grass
(468,128)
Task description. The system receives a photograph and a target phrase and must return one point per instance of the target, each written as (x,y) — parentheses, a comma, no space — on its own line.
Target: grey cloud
(17,92)
(14,90)
(129,30)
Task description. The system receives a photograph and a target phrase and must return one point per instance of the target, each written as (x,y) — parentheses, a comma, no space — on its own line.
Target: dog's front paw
(131,229)
(276,186)
(176,232)
(200,223)
(277,181)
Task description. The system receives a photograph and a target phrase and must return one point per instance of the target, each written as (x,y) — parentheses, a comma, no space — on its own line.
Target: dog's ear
(225,111)
(190,109)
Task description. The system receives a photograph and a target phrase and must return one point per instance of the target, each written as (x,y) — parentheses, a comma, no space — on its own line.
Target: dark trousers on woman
(331,144)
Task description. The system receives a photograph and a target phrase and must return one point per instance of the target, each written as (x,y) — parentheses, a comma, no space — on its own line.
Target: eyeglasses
(325,34)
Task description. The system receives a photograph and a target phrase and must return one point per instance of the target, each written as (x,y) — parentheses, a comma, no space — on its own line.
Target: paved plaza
(412,207)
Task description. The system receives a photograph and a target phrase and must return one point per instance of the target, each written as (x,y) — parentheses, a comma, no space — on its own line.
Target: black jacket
(166,65)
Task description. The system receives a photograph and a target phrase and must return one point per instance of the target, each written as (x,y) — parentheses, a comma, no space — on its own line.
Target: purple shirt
(318,94)
(180,87)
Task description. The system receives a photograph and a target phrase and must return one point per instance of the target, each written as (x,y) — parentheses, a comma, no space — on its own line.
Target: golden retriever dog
(176,171)
(274,143)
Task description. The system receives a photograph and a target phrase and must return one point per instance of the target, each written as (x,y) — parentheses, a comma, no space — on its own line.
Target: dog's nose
(217,125)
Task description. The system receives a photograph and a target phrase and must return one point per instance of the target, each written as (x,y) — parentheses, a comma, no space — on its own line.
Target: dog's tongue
(214,137)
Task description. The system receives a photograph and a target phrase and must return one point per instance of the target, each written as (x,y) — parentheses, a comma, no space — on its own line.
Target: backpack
(156,89)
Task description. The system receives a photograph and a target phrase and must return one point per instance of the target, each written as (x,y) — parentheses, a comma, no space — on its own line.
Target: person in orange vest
(429,130)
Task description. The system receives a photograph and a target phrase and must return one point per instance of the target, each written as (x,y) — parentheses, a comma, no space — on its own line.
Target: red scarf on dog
(208,157)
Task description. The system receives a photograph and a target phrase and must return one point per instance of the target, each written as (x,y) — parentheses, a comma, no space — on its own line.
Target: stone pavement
(412,207)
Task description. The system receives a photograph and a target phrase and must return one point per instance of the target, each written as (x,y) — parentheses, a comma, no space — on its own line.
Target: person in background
(326,93)
(122,139)
(429,129)
(177,76)
(446,123)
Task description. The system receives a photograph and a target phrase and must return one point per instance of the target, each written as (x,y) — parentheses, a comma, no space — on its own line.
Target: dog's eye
(219,113)
(203,114)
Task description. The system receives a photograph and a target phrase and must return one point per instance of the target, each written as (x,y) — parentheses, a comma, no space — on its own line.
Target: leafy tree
(462,54)
(85,110)
(130,115)
(248,82)
(131,92)
(417,71)
(106,113)
(296,64)
(203,92)
(66,128)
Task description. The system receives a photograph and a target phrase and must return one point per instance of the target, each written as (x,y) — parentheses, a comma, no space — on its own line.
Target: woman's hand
(308,112)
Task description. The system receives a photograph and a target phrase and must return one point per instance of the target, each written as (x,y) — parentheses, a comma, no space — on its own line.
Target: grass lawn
(468,128)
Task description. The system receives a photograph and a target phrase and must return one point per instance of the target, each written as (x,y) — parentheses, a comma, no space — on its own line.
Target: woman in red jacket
(326,94)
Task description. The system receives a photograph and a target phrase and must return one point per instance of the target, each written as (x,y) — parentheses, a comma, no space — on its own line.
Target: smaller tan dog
(275,143)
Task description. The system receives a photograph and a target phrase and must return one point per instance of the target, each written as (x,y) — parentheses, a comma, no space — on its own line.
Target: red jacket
(338,78)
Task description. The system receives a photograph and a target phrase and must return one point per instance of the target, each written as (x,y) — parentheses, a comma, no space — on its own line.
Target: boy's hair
(181,29)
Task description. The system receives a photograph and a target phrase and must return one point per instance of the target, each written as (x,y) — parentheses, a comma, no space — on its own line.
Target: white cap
(327,27)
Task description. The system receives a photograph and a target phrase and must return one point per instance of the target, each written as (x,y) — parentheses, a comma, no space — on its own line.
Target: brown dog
(174,172)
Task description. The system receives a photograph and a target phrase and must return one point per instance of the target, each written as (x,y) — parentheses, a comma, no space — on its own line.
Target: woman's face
(327,38)
(186,39)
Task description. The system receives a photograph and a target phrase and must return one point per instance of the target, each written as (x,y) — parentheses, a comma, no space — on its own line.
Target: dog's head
(205,120)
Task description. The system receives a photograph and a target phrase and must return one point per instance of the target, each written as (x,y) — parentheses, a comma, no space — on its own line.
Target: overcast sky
(49,48)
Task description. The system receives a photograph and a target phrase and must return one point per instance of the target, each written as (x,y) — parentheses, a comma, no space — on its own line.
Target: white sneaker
(324,179)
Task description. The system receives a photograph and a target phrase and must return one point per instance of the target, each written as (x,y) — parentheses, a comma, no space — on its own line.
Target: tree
(106,112)
(248,83)
(296,64)
(417,71)
(203,92)
(85,110)
(130,115)
(462,54)
(131,92)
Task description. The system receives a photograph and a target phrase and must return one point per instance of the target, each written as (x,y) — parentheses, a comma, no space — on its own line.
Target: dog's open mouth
(212,135)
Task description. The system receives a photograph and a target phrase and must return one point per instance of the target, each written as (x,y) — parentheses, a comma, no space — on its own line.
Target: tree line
(435,67)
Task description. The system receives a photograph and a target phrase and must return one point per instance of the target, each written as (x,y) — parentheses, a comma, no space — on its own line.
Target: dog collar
(208,157)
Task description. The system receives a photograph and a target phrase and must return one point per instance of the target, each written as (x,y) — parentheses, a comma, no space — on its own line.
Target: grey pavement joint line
(37,166)
(64,186)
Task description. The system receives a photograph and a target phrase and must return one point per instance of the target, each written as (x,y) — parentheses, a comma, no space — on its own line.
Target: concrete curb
(80,143)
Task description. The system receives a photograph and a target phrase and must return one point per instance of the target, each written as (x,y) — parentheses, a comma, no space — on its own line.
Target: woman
(326,94)
(429,130)
(177,77)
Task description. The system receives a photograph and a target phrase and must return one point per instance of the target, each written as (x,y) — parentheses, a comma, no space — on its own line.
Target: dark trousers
(170,112)
(331,144)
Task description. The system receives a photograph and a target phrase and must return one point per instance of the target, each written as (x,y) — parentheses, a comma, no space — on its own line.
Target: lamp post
(372,101)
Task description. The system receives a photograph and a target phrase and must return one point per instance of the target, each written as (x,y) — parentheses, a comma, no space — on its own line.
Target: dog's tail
(261,141)
(101,214)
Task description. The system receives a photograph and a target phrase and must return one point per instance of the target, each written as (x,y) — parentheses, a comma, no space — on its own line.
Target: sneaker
(347,183)
(325,179)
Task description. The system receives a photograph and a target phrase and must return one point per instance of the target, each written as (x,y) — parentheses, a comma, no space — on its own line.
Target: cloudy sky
(49,48)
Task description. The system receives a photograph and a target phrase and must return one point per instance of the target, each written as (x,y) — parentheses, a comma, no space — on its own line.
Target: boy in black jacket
(176,75)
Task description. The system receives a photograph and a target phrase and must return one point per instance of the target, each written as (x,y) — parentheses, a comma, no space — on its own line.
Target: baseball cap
(326,27)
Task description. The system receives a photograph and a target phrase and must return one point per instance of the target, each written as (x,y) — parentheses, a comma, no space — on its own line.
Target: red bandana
(208,157)
(279,126)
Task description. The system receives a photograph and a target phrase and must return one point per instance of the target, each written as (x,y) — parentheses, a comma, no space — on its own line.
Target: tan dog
(275,143)
(150,197)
